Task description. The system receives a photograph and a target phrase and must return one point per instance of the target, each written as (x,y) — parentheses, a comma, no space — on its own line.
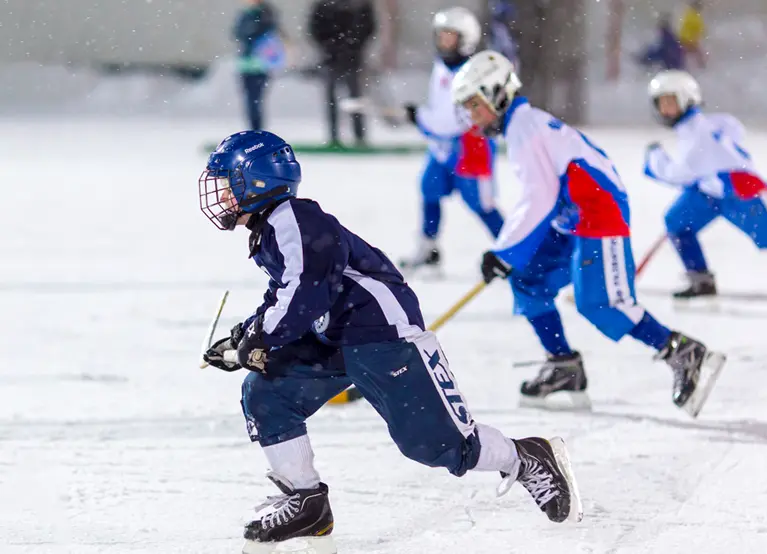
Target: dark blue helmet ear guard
(248,172)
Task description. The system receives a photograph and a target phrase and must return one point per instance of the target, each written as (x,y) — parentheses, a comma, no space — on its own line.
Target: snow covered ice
(113,440)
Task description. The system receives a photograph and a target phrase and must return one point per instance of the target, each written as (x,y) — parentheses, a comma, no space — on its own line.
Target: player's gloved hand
(215,354)
(410,110)
(492,267)
(251,351)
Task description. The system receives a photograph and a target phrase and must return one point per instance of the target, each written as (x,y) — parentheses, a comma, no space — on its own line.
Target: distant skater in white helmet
(459,158)
(572,224)
(712,169)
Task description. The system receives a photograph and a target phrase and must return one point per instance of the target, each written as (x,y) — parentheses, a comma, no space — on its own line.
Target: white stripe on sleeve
(288,236)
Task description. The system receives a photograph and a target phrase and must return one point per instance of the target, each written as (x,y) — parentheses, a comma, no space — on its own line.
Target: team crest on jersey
(445,81)
(322,323)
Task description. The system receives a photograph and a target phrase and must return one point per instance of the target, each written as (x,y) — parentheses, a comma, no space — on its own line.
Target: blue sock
(686,243)
(550,332)
(431,216)
(650,332)
(493,220)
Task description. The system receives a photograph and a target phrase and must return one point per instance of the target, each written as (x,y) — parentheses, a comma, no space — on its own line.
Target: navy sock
(431,216)
(493,220)
(650,332)
(689,249)
(550,332)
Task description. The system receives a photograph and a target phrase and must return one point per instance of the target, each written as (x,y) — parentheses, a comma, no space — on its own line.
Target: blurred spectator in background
(260,51)
(691,31)
(342,29)
(503,14)
(666,52)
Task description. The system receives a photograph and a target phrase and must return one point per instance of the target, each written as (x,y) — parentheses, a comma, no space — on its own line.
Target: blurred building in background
(577,57)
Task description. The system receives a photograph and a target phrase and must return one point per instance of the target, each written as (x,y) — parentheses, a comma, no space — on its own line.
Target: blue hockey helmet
(247,172)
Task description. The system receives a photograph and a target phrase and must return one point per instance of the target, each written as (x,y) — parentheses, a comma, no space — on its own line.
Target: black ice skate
(426,260)
(298,520)
(545,471)
(695,368)
(560,384)
(702,284)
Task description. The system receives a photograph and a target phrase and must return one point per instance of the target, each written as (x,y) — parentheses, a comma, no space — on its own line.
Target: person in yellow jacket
(691,31)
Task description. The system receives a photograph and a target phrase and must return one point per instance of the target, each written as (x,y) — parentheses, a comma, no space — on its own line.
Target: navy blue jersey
(327,280)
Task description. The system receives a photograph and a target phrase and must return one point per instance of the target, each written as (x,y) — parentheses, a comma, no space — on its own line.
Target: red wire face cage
(220,194)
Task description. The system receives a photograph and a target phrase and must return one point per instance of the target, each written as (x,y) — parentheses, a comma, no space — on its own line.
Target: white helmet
(460,21)
(678,83)
(491,76)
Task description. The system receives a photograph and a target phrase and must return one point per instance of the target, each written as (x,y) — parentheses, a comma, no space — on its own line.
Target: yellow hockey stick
(352,394)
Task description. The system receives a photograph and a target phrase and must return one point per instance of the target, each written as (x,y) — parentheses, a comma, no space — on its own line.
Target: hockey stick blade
(366,106)
(208,340)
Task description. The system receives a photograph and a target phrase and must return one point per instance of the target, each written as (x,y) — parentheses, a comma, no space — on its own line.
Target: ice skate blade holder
(563,461)
(560,401)
(302,545)
(709,373)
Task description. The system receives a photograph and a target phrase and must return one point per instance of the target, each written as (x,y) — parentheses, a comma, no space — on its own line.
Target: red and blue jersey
(567,182)
(451,139)
(710,157)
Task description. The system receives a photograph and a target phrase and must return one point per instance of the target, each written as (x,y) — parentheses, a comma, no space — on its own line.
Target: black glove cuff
(410,113)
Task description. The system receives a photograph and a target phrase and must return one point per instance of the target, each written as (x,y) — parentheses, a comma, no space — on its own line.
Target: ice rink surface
(112,440)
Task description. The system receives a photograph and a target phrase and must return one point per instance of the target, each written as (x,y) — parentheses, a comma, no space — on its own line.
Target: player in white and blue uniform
(572,224)
(459,157)
(337,312)
(715,173)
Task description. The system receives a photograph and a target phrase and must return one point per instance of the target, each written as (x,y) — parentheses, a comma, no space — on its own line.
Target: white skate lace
(284,508)
(538,482)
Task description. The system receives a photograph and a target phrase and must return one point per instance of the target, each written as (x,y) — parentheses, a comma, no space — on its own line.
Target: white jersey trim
(288,237)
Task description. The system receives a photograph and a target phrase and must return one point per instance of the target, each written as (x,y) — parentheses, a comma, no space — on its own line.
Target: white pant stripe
(616,279)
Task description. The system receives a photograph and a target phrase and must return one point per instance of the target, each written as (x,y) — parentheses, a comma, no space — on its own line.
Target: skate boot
(695,368)
(298,520)
(425,259)
(560,384)
(545,472)
(702,284)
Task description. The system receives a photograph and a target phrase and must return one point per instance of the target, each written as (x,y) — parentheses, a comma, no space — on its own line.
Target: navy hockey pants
(408,382)
(601,271)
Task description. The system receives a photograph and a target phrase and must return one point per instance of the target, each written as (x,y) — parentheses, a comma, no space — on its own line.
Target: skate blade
(302,545)
(563,462)
(700,304)
(709,373)
(558,401)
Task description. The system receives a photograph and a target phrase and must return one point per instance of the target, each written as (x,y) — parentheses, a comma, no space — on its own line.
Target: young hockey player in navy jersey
(713,170)
(459,157)
(571,224)
(337,312)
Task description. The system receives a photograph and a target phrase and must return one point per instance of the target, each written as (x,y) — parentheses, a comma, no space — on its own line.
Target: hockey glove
(215,354)
(492,267)
(410,110)
(251,351)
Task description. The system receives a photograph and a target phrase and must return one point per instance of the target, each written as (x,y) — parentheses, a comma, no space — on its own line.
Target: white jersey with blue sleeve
(450,136)
(710,156)
(441,121)
(567,182)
